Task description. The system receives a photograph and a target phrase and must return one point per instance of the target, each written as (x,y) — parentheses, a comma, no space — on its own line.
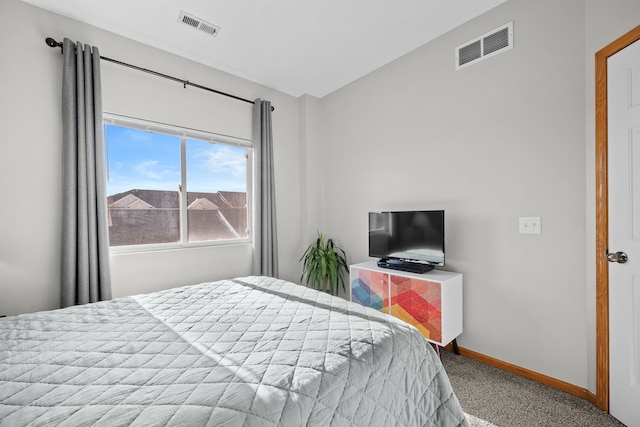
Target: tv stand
(402,265)
(431,302)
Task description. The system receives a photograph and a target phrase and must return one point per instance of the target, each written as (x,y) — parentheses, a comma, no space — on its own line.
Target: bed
(253,351)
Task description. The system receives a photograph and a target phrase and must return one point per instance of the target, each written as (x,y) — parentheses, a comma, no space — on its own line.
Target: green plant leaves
(323,265)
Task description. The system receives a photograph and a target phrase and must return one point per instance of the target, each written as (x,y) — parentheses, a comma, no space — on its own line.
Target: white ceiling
(295,46)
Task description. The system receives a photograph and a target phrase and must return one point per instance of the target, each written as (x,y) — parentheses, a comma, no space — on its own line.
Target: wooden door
(602,215)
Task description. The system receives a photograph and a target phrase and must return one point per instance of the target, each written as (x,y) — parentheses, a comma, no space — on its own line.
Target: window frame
(184,134)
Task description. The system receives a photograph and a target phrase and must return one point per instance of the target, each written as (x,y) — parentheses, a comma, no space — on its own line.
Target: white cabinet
(432,302)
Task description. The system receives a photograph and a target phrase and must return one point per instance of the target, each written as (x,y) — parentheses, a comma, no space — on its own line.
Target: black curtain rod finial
(52,43)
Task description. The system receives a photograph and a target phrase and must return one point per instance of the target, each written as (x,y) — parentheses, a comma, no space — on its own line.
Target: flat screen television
(407,240)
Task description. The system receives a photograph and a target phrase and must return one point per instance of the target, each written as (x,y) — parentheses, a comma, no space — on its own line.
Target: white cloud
(137,135)
(225,160)
(146,169)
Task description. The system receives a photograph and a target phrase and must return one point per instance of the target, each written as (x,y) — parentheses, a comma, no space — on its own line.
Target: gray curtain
(85,240)
(265,242)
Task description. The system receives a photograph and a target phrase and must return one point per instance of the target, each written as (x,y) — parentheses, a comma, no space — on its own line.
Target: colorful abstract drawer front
(370,288)
(419,303)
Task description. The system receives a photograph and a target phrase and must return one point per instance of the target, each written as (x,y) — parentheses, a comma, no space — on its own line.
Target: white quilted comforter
(253,351)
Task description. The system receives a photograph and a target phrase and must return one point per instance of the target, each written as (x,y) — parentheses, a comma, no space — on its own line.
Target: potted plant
(323,265)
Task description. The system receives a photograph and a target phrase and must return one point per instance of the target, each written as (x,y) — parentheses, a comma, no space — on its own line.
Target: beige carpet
(508,400)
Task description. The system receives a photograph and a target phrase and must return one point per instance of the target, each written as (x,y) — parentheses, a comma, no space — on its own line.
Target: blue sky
(151,161)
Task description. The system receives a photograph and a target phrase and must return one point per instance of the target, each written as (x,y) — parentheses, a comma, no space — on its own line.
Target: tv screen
(416,236)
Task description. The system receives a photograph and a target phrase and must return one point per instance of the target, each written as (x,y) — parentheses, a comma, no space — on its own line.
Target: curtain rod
(53,43)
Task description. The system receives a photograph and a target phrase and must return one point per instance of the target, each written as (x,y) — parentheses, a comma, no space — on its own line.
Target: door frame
(602,215)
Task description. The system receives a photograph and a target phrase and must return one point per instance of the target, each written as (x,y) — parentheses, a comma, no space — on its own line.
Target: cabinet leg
(436,347)
(454,343)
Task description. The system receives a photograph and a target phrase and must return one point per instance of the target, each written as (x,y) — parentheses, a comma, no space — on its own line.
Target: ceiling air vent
(485,46)
(197,23)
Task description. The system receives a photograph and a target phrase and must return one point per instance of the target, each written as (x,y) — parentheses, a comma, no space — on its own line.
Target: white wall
(312,162)
(30,86)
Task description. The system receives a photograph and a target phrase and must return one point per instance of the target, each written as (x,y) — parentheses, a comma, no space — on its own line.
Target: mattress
(251,351)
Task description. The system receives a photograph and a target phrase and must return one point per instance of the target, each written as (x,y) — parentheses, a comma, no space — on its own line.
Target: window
(171,186)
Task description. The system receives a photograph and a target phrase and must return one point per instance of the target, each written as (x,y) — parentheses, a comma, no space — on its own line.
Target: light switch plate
(530,225)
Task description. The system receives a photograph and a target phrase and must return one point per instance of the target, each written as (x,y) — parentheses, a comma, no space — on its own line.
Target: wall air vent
(487,45)
(197,23)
